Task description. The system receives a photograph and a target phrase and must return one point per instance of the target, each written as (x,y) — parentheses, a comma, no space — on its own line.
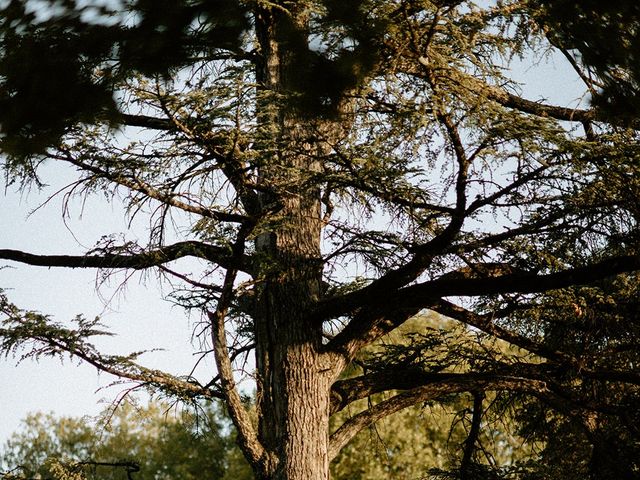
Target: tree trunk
(293,376)
(293,381)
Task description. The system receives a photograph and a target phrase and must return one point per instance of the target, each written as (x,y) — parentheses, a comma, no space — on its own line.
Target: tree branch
(486,324)
(20,328)
(366,327)
(425,293)
(144,121)
(137,185)
(247,437)
(515,102)
(456,383)
(218,255)
(216,144)
(472,438)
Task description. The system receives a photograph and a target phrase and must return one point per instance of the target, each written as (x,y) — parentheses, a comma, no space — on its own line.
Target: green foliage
(161,442)
(598,325)
(403,446)
(79,53)
(427,440)
(605,35)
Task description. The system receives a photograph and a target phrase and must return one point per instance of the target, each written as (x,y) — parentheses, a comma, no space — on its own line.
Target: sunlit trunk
(293,382)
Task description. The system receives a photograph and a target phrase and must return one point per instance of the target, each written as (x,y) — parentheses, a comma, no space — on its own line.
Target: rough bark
(293,376)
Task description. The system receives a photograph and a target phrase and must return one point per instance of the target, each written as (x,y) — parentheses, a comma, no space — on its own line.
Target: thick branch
(144,121)
(424,293)
(472,438)
(160,256)
(367,327)
(345,392)
(247,437)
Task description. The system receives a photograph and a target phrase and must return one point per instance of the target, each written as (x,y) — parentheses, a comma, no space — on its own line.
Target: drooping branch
(74,469)
(146,259)
(35,335)
(247,437)
(137,185)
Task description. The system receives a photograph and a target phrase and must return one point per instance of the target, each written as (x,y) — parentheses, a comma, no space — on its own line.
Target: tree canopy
(335,170)
(140,442)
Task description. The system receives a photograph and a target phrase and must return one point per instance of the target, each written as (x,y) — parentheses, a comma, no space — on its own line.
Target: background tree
(336,168)
(432,439)
(163,443)
(159,441)
(603,321)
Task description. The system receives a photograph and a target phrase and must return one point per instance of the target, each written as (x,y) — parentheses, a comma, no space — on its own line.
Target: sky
(134,313)
(141,321)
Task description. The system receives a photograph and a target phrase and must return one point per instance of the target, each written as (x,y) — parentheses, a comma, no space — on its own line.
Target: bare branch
(138,185)
(144,121)
(247,437)
(218,255)
(424,293)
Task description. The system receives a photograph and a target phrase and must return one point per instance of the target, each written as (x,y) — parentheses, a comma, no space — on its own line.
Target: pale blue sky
(135,313)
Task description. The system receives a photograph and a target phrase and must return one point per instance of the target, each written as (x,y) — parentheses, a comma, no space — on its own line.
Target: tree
(149,442)
(155,441)
(601,51)
(430,439)
(336,168)
(604,446)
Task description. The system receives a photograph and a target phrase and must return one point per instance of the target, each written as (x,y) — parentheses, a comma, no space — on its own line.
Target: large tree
(336,168)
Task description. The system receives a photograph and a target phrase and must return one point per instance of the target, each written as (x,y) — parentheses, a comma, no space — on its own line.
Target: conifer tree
(339,167)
